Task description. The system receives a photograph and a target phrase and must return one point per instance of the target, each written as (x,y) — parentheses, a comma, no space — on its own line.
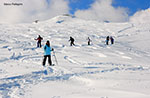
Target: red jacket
(39,38)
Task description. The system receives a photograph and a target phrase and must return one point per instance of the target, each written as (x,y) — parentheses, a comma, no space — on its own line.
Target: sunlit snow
(121,70)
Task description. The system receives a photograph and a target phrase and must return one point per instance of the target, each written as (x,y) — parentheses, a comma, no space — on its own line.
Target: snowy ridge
(98,71)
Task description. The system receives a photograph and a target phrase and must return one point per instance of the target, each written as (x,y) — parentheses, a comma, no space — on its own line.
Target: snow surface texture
(121,70)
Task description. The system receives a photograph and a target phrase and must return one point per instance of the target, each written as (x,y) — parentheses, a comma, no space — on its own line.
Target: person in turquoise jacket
(47,53)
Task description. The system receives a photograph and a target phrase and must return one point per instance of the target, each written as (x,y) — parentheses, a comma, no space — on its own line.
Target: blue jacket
(47,50)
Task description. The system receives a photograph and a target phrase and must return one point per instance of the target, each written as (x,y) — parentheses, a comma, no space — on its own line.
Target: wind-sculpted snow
(120,70)
(22,81)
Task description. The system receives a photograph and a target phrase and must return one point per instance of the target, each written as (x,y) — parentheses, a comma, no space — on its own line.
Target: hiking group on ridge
(48,49)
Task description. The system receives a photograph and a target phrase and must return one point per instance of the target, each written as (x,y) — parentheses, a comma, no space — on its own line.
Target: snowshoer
(39,41)
(47,53)
(89,41)
(112,40)
(71,41)
(107,40)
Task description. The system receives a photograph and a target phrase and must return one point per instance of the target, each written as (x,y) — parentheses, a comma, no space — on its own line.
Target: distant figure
(36,21)
(107,40)
(47,53)
(39,41)
(112,40)
(89,41)
(71,41)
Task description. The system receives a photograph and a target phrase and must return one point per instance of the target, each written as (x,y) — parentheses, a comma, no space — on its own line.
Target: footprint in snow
(126,57)
(120,52)
(101,55)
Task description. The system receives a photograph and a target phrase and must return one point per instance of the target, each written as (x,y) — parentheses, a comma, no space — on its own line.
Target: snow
(97,71)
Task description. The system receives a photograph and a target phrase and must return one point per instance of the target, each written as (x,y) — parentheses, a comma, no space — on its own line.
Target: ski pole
(55,57)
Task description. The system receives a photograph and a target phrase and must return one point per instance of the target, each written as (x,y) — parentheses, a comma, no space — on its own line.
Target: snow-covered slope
(98,71)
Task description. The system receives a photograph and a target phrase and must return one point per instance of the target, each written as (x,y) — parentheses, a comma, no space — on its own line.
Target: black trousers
(72,43)
(39,44)
(88,42)
(107,42)
(49,59)
(112,41)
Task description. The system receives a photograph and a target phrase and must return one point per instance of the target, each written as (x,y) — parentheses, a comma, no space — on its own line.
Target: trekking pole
(55,57)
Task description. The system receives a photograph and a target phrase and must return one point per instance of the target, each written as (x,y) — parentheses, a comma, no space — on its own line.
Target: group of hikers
(109,38)
(72,41)
(48,49)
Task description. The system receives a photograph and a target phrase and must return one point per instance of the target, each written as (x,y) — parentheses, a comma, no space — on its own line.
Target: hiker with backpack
(89,41)
(47,53)
(107,40)
(112,40)
(71,41)
(39,39)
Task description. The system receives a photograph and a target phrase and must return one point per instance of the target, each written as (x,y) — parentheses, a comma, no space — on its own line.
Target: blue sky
(132,5)
(79,4)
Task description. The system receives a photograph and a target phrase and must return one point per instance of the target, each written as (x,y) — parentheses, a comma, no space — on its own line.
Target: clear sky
(132,5)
